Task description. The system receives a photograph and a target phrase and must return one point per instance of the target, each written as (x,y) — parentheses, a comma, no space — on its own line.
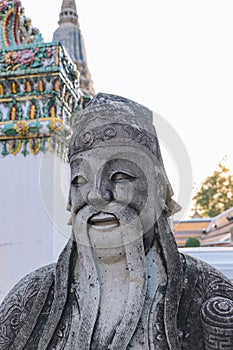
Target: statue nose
(99,198)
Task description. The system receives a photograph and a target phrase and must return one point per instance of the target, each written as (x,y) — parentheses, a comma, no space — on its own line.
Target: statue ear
(69,205)
(172,207)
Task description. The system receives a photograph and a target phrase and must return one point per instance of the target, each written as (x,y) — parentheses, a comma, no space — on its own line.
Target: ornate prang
(15,27)
(33,104)
(39,86)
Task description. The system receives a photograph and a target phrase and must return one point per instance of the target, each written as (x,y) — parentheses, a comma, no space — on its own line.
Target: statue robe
(42,311)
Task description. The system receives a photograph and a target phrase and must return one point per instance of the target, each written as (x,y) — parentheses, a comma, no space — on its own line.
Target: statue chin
(107,236)
(107,243)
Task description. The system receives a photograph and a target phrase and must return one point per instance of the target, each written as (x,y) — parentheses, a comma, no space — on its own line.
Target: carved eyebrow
(122,175)
(77,159)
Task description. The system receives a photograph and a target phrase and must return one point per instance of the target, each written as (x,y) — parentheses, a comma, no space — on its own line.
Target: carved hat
(114,120)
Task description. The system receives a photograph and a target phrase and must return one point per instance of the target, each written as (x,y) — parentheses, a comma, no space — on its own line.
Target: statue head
(117,173)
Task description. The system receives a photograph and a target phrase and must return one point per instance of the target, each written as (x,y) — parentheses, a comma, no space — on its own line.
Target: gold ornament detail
(1,89)
(13,113)
(33,111)
(53,112)
(14,88)
(11,57)
(21,127)
(57,85)
(15,149)
(34,146)
(41,86)
(53,125)
(28,87)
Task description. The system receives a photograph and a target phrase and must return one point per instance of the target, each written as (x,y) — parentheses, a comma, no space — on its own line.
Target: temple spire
(69,35)
(68,12)
(71,4)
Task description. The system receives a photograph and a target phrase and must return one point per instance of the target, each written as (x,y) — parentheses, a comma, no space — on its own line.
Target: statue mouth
(104,220)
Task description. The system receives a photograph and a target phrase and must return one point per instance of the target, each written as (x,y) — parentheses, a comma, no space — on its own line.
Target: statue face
(114,188)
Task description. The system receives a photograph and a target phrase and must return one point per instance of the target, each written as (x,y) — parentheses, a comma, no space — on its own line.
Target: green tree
(216,193)
(192,242)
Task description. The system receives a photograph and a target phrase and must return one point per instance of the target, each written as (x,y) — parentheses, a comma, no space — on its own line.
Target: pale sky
(175,57)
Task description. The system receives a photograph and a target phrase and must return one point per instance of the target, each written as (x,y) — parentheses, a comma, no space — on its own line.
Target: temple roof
(215,231)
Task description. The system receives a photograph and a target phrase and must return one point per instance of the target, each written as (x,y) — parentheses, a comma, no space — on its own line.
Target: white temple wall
(33,214)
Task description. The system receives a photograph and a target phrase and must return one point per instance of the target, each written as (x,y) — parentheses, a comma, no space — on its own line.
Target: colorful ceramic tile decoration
(39,87)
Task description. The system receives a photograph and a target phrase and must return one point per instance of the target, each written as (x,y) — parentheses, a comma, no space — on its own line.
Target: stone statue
(120,282)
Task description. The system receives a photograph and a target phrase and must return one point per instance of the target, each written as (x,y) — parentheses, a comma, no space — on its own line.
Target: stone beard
(120,282)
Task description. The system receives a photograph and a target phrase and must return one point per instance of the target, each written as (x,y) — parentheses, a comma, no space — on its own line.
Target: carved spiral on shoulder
(217,323)
(218,311)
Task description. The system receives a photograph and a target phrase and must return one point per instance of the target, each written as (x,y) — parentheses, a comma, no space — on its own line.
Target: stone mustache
(120,282)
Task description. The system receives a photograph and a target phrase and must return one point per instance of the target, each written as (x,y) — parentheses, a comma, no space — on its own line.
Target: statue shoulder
(208,279)
(30,291)
(207,302)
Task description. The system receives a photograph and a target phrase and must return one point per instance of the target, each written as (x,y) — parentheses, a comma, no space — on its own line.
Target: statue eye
(119,176)
(79,180)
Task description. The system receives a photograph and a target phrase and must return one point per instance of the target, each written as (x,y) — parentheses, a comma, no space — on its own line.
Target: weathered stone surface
(120,282)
